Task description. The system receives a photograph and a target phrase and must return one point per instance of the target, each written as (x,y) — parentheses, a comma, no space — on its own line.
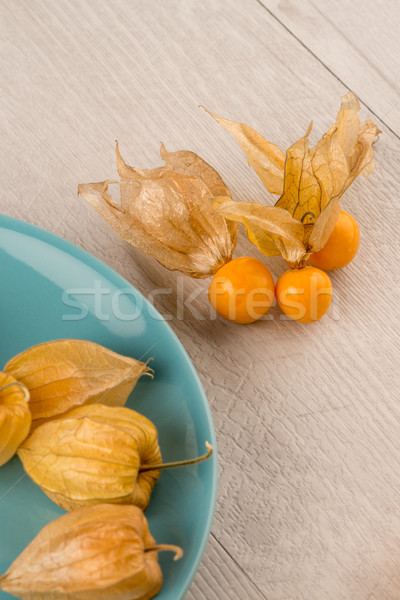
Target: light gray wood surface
(307,416)
(358,41)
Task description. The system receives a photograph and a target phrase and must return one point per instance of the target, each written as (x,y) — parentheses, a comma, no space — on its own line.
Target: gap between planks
(363,102)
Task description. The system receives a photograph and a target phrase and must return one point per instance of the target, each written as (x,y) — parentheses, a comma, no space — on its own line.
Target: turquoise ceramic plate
(50,289)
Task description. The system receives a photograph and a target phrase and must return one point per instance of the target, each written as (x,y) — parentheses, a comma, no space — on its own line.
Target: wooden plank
(358,42)
(219,578)
(307,416)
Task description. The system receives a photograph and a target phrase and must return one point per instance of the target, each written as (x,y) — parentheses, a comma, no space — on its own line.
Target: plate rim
(24,227)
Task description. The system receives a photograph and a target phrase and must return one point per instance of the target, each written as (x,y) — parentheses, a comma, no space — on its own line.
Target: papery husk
(101,552)
(63,374)
(267,160)
(167,212)
(313,182)
(329,168)
(273,230)
(313,178)
(94,454)
(15,416)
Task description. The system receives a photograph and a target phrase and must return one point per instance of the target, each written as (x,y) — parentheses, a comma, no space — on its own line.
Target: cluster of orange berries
(243,290)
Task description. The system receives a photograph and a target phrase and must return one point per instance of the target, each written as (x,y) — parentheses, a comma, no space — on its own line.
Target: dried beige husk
(15,416)
(96,454)
(267,160)
(63,374)
(310,181)
(167,212)
(100,552)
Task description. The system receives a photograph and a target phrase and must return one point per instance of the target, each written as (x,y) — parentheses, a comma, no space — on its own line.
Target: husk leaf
(301,189)
(167,212)
(265,158)
(271,229)
(93,454)
(102,552)
(63,374)
(15,416)
(323,227)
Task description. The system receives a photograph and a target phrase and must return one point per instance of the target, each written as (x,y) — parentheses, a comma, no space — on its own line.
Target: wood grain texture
(307,416)
(219,578)
(358,41)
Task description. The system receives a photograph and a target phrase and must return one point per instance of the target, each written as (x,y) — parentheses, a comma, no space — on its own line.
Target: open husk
(64,374)
(15,416)
(310,181)
(100,552)
(167,212)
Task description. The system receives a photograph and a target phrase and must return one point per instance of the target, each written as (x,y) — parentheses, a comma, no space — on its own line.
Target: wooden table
(307,416)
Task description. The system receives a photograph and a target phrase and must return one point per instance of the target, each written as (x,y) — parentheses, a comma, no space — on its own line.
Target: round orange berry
(341,247)
(304,294)
(242,290)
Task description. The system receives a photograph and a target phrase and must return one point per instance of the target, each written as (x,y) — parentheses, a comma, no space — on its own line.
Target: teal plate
(50,289)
